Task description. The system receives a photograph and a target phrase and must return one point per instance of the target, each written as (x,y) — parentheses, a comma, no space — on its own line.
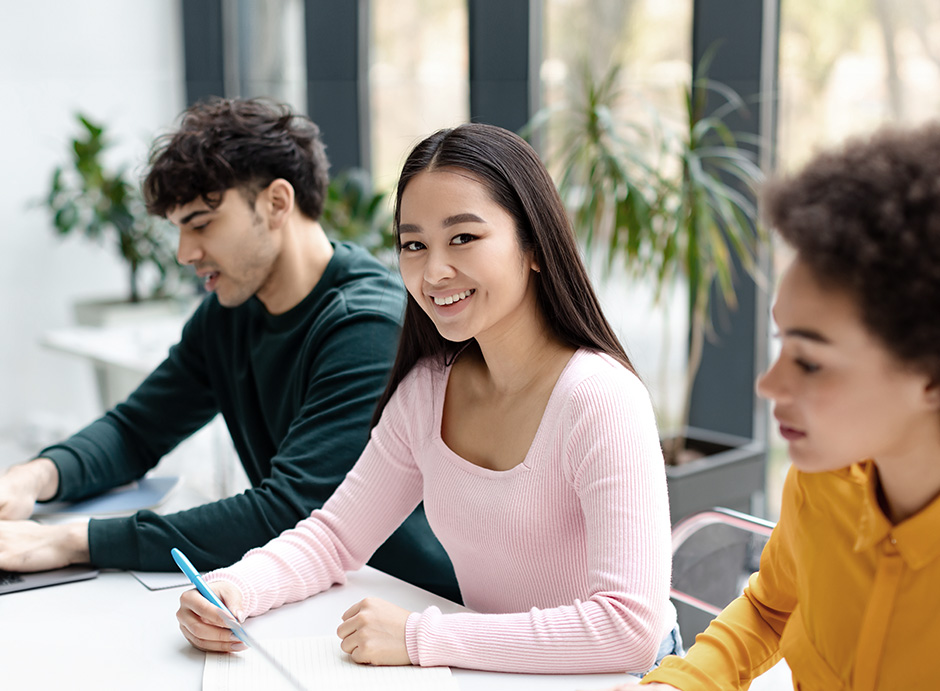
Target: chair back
(714,552)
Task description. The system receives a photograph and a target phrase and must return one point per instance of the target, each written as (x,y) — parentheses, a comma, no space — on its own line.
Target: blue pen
(187,567)
(230,621)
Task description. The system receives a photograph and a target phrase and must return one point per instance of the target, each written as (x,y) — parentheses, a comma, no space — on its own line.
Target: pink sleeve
(376,496)
(614,464)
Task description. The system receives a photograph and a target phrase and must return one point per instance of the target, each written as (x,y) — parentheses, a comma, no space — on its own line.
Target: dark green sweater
(296,390)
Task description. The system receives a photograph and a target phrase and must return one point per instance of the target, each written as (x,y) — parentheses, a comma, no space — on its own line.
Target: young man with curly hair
(847,588)
(292,346)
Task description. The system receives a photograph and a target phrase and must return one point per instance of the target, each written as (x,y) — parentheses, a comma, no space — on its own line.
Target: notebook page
(319,664)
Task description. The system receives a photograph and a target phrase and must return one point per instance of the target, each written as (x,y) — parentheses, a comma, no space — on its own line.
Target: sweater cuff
(66,464)
(411,638)
(423,638)
(112,543)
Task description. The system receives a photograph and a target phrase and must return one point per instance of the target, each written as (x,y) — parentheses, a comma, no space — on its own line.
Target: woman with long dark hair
(514,413)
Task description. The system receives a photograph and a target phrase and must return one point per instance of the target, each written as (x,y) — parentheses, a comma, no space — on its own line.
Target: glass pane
(418,77)
(651,40)
(265,50)
(847,67)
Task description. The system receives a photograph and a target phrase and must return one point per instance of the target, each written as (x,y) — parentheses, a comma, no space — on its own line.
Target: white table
(113,633)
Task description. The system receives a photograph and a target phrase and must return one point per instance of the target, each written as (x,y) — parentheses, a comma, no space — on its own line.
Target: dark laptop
(11,582)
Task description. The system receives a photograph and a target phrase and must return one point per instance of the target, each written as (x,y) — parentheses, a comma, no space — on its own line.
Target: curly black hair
(237,143)
(865,218)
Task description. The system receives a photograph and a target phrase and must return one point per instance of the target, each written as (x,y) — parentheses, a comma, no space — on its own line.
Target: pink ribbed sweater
(564,558)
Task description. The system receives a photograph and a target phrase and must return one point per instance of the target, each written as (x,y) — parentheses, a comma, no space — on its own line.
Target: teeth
(451,299)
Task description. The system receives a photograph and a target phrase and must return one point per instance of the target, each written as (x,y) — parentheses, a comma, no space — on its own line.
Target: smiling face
(461,260)
(839,395)
(229,245)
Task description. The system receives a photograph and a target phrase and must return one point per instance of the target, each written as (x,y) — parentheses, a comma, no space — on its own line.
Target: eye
(463,239)
(807,366)
(412,246)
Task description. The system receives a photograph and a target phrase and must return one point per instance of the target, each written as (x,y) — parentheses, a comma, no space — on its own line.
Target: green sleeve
(325,439)
(174,401)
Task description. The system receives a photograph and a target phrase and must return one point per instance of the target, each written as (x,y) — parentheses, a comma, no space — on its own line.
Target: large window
(651,38)
(418,77)
(848,66)
(651,41)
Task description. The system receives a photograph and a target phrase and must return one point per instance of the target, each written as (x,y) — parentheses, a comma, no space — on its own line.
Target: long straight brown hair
(516,180)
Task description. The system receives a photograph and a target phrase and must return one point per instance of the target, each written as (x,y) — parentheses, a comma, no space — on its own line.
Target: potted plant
(355,211)
(672,202)
(86,197)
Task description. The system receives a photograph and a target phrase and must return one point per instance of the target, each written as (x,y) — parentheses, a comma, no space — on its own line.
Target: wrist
(44,475)
(75,542)
(38,479)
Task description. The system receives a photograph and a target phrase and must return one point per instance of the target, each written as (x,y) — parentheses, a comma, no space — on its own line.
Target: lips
(791,433)
(209,278)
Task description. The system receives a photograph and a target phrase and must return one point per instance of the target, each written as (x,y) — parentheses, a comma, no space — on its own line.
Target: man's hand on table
(30,546)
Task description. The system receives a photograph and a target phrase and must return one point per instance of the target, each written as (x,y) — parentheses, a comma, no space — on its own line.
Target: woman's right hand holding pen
(202,623)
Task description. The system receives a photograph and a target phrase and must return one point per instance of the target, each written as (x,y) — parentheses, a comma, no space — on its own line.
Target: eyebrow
(808,334)
(454,220)
(194,214)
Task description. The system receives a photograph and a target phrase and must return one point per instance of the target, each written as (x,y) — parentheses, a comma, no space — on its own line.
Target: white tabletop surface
(113,633)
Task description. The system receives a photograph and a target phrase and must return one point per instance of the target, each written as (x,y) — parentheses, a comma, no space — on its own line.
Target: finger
(353,611)
(206,636)
(210,645)
(349,644)
(231,597)
(193,614)
(202,608)
(347,628)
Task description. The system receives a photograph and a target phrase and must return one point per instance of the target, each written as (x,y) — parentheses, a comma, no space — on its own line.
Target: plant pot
(730,474)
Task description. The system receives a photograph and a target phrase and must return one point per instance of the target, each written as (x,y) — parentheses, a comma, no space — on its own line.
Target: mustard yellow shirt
(850,600)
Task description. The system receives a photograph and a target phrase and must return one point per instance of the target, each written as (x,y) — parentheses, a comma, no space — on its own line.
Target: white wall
(121,63)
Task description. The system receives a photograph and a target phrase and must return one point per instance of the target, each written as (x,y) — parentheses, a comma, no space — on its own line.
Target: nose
(188,250)
(770,384)
(438,267)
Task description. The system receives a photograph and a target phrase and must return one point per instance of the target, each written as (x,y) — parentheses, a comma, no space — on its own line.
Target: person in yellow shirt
(848,590)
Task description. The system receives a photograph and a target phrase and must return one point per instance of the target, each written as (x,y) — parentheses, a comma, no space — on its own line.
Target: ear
(932,395)
(278,198)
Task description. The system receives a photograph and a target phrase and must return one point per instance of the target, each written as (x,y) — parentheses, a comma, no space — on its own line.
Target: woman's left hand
(373,632)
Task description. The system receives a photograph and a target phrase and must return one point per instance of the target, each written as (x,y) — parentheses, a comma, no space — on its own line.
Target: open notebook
(317,662)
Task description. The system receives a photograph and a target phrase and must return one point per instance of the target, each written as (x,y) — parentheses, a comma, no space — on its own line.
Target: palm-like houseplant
(669,201)
(86,197)
(357,212)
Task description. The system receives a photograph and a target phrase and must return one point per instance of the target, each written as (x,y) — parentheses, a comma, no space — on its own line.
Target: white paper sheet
(157,580)
(320,665)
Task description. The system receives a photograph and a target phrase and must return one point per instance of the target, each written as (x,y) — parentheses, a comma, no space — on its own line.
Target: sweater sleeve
(174,401)
(347,374)
(614,464)
(744,640)
(381,490)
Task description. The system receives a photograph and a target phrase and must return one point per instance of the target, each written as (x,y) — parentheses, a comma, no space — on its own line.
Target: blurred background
(379,75)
